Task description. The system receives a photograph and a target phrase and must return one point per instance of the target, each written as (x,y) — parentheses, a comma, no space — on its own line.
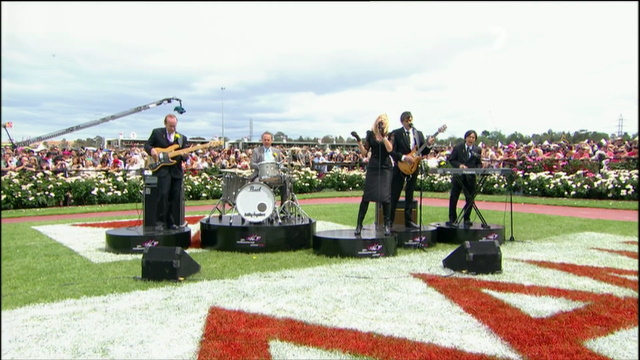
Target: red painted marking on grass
(560,336)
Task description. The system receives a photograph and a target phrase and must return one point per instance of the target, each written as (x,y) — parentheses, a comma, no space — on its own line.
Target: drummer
(264,152)
(267,153)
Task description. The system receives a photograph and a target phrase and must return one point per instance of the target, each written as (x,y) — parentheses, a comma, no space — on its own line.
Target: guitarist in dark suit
(465,155)
(169,176)
(405,140)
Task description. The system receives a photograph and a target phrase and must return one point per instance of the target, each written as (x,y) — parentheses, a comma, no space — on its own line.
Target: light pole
(222,112)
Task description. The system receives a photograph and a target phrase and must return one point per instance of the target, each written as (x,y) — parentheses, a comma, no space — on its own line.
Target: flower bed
(25,189)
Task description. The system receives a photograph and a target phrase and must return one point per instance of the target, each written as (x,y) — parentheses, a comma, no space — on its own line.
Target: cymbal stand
(291,208)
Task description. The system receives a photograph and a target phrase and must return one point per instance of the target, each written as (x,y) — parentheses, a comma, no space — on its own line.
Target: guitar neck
(441,129)
(188,150)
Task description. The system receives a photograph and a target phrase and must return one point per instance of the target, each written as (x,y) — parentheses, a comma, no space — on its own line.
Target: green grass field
(38,269)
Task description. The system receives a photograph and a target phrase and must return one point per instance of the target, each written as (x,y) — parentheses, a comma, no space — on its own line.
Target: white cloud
(316,69)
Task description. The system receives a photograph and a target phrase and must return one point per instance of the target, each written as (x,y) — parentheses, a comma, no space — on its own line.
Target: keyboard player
(464,155)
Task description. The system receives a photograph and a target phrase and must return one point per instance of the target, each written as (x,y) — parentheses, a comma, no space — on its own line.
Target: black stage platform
(371,243)
(460,234)
(230,232)
(134,239)
(426,237)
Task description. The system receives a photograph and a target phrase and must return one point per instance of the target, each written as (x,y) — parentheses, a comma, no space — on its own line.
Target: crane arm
(179,109)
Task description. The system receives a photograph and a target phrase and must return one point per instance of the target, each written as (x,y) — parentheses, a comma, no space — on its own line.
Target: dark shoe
(358,229)
(411,225)
(451,224)
(173,227)
(468,223)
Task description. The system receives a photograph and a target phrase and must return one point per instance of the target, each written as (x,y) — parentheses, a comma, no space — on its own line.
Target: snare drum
(268,172)
(255,202)
(231,184)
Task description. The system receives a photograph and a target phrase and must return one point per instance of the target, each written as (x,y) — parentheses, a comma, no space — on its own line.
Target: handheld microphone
(355,135)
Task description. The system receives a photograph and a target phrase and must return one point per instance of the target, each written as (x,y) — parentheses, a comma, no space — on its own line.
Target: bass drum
(255,202)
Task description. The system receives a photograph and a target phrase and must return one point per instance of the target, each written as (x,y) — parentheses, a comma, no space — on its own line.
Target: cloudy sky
(316,69)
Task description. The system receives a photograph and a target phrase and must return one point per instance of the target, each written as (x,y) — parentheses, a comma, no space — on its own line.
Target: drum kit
(255,201)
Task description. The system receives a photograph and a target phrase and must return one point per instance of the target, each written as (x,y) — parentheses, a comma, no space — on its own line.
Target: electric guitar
(166,154)
(408,168)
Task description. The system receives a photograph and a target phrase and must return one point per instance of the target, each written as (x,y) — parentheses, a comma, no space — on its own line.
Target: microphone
(381,128)
(355,135)
(411,125)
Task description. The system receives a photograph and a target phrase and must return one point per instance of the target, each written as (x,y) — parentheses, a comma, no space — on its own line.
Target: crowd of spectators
(603,152)
(72,162)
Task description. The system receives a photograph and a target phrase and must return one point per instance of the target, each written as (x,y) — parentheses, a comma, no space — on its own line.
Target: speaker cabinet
(476,257)
(399,217)
(150,200)
(167,263)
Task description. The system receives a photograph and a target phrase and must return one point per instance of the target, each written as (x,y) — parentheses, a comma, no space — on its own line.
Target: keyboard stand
(470,199)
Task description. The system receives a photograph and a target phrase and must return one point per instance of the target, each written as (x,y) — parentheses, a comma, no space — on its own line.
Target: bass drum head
(255,202)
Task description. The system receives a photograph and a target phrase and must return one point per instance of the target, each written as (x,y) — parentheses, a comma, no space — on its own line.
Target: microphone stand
(511,180)
(422,172)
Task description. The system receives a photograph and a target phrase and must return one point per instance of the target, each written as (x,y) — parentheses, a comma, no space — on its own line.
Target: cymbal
(236,171)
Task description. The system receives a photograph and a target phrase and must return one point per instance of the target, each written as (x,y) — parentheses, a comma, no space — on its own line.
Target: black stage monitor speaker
(476,257)
(167,263)
(150,200)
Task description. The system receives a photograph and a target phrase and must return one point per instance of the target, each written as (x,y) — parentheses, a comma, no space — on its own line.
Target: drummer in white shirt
(269,159)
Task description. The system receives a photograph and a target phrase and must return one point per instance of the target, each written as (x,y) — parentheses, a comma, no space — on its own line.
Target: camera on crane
(179,109)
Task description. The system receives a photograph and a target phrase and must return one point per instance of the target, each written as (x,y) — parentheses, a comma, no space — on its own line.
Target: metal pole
(222,111)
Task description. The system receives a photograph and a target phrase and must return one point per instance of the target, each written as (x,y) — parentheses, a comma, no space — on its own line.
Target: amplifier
(399,218)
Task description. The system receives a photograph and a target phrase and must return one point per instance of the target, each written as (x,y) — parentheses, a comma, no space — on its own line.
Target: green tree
(64,144)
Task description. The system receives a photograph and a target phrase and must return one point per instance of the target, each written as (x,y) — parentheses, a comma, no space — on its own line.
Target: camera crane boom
(179,109)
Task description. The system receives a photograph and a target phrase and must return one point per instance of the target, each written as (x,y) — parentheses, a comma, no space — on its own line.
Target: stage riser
(133,240)
(343,243)
(218,234)
(452,235)
(408,238)
(414,238)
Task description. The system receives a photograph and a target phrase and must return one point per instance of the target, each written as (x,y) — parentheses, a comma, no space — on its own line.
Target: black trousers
(399,181)
(169,200)
(460,183)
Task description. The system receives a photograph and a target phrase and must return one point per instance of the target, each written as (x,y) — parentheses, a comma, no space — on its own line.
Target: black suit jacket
(459,156)
(401,145)
(158,139)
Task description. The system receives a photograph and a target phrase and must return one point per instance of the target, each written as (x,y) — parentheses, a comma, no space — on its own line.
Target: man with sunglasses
(406,140)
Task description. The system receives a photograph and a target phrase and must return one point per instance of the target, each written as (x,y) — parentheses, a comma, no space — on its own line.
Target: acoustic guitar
(166,154)
(408,168)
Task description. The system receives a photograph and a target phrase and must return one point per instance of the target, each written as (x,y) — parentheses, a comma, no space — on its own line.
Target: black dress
(377,183)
